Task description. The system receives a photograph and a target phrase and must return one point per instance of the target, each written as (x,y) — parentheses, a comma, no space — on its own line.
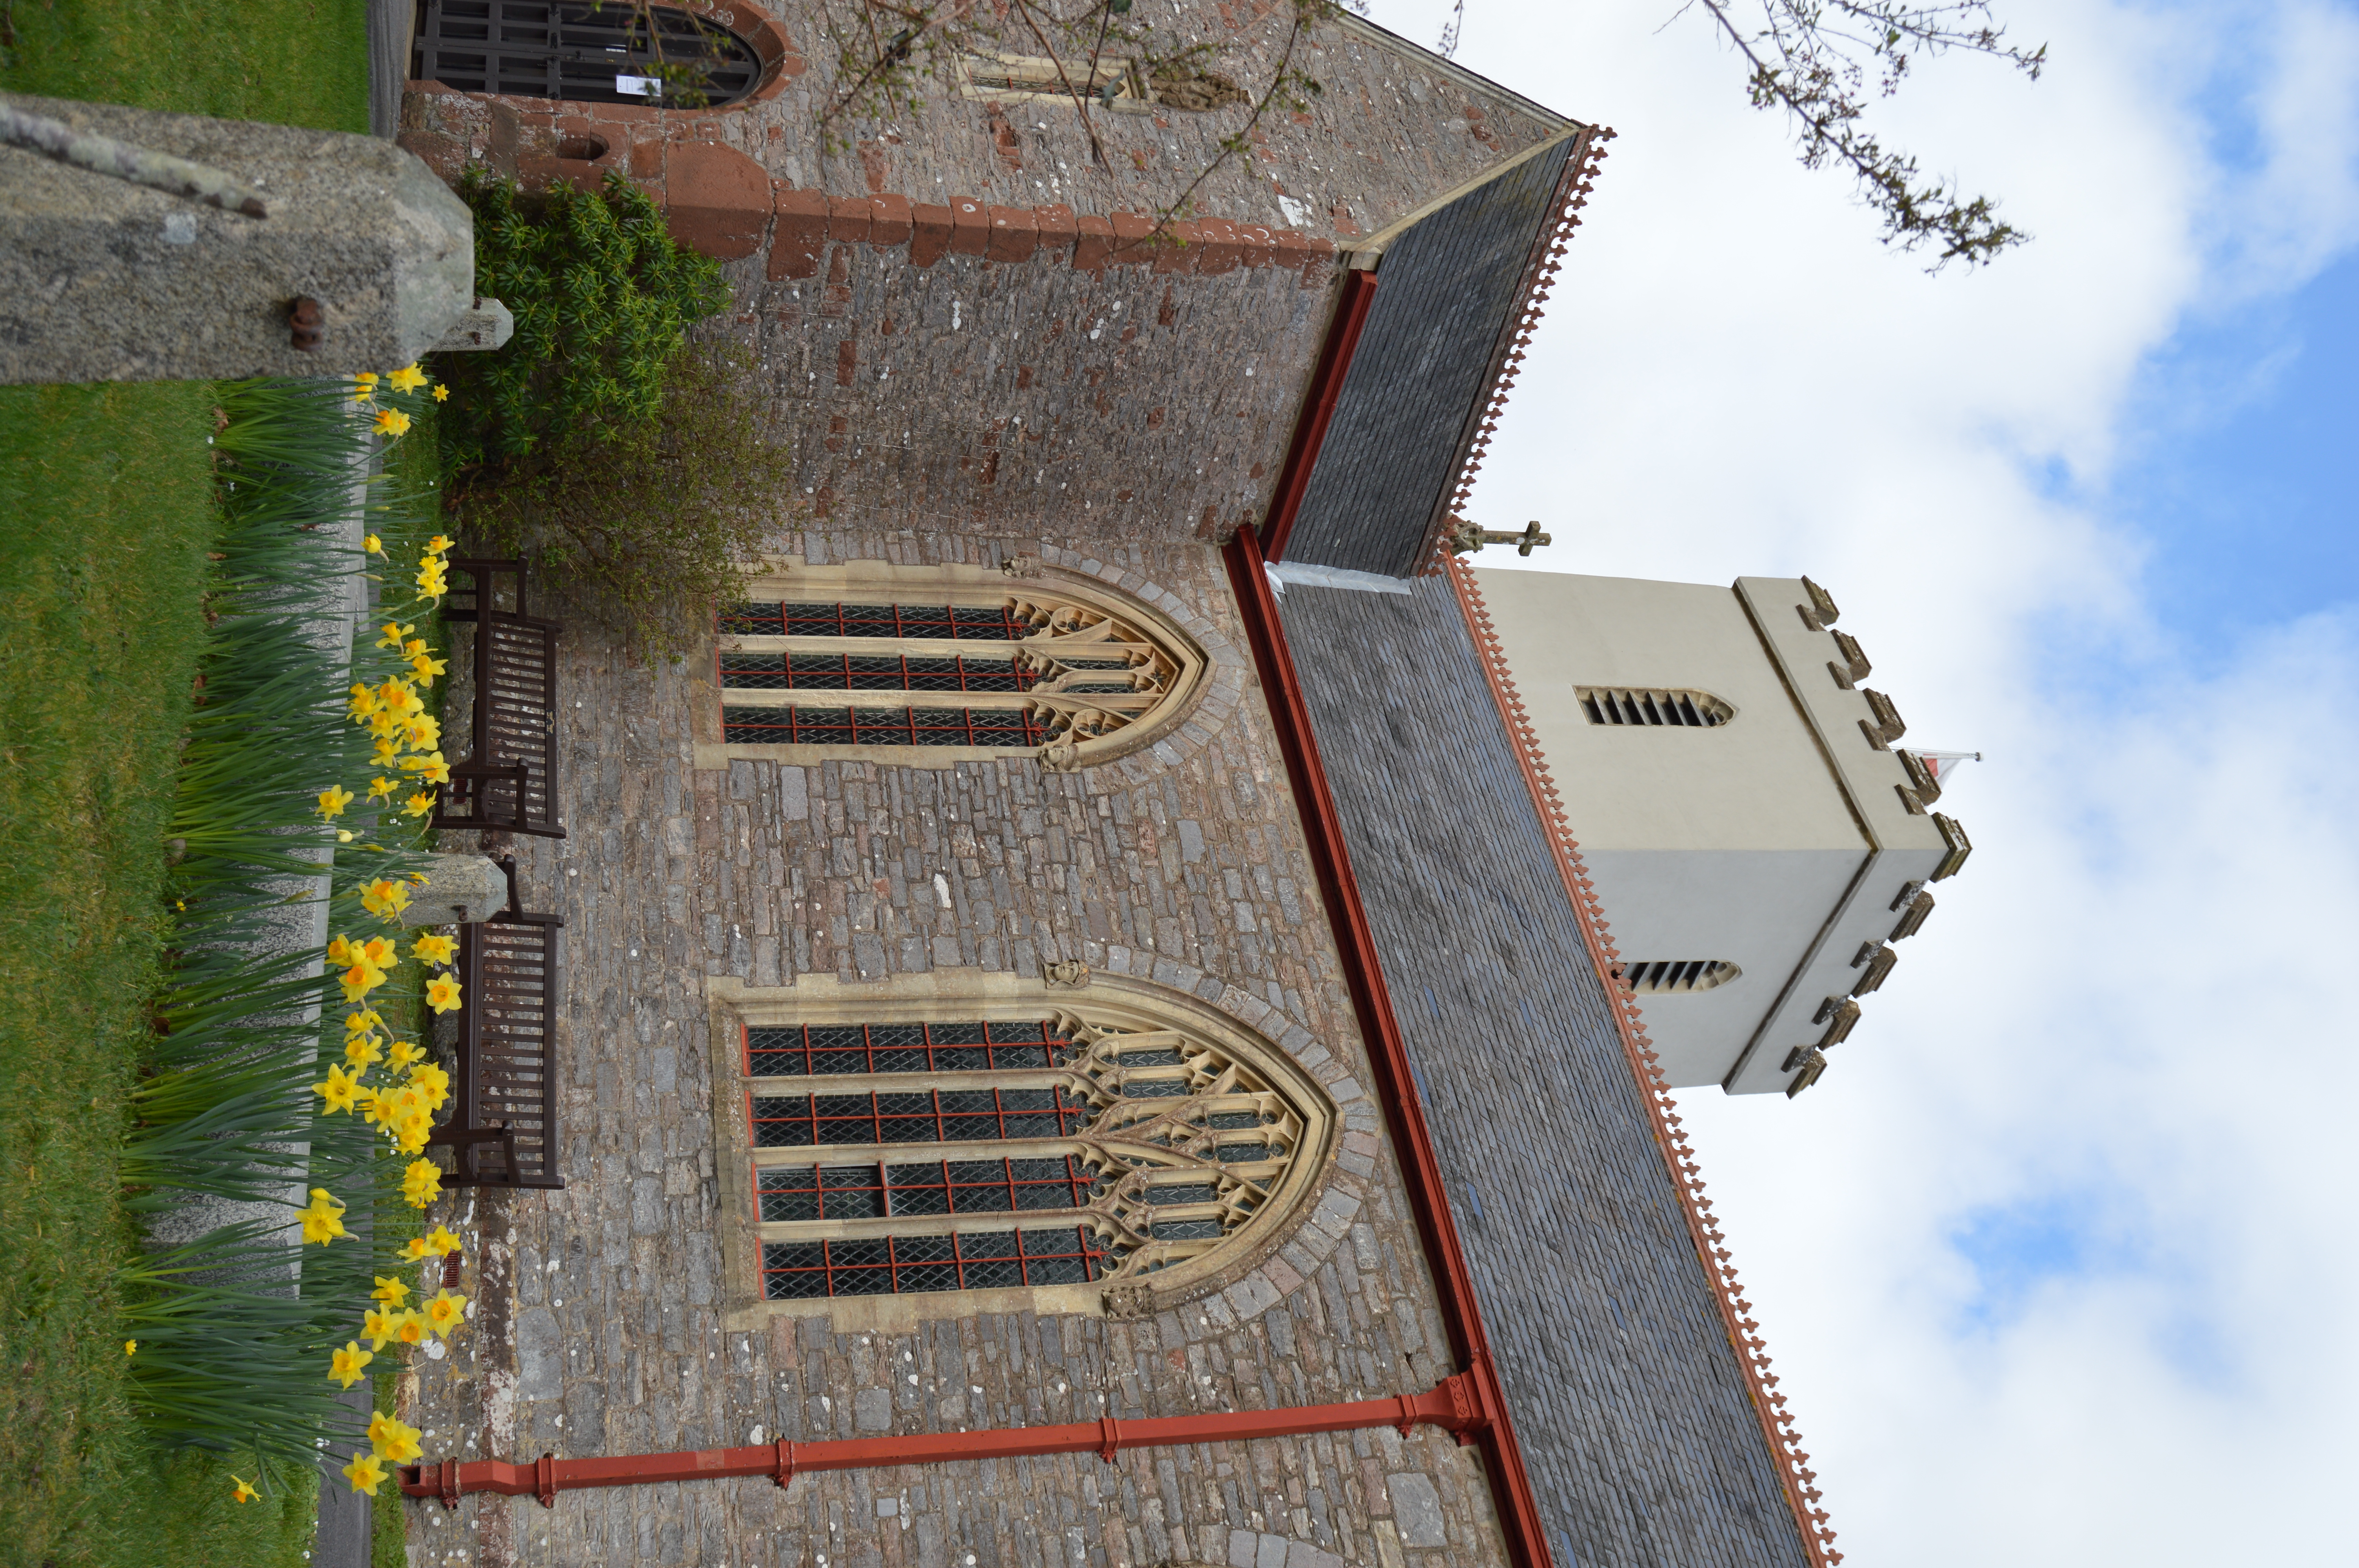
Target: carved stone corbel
(1887,726)
(1821,612)
(1061,757)
(1878,960)
(1852,667)
(1020,566)
(1066,972)
(1920,904)
(1841,1015)
(1813,1065)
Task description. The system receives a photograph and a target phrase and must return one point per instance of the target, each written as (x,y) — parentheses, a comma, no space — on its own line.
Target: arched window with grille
(935,667)
(1035,1157)
(584,51)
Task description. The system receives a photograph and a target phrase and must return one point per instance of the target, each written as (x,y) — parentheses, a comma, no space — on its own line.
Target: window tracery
(1071,675)
(1058,1150)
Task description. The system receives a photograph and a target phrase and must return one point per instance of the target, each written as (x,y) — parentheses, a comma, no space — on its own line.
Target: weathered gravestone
(105,279)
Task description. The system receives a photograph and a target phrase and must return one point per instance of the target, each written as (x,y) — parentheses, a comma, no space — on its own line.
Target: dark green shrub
(650,521)
(602,299)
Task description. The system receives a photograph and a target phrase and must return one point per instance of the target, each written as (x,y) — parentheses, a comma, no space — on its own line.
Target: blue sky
(2243,465)
(2065,1223)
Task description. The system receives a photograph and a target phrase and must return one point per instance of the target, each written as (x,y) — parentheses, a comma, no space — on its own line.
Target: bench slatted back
(508,780)
(507,1075)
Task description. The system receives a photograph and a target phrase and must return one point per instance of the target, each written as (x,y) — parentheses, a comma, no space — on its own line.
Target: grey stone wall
(599,1327)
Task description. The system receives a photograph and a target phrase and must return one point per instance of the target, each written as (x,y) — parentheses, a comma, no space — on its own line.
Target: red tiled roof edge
(1736,1314)
(1579,178)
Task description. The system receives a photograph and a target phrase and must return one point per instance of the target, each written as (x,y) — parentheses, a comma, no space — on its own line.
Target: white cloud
(2052,1261)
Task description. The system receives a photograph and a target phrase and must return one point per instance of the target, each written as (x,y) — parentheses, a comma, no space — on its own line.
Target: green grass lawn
(107,495)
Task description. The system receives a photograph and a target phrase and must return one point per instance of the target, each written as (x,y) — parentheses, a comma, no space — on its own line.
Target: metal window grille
(922,1116)
(806,1050)
(898,1265)
(1147,1146)
(587,52)
(958,623)
(1004,1185)
(1639,706)
(1675,974)
(855,672)
(797,726)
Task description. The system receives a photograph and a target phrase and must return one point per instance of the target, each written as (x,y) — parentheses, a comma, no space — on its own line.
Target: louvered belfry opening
(583,51)
(1641,706)
(1657,977)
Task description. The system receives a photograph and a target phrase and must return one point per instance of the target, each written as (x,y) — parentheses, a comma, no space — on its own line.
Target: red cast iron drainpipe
(1454,1406)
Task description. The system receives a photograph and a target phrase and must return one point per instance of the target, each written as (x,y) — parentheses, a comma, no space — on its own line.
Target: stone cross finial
(1469,536)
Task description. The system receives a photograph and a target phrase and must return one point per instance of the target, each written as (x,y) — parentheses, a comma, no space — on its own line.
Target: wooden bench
(502,1127)
(507,781)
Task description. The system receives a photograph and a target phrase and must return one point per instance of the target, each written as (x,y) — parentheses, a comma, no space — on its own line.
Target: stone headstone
(102,279)
(460,890)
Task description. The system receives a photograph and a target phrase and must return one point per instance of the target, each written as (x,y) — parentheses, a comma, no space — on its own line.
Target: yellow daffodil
(421,1183)
(384,722)
(360,1051)
(388,747)
(426,667)
(429,768)
(411,1133)
(438,545)
(333,801)
(322,1222)
(394,692)
(385,897)
(393,1441)
(380,952)
(411,1329)
(246,1492)
(418,805)
(343,835)
(340,1088)
(373,545)
(394,635)
(379,1326)
(416,1248)
(380,787)
(425,732)
(391,422)
(432,581)
(441,392)
(365,1473)
(344,1366)
(363,699)
(359,980)
(443,993)
(409,378)
(435,949)
(401,1053)
(440,1242)
(364,386)
(445,1312)
(435,1089)
(390,1290)
(339,953)
(131,1348)
(365,1022)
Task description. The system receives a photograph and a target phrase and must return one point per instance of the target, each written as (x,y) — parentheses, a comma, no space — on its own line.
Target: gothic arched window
(1094,1144)
(942,665)
(583,51)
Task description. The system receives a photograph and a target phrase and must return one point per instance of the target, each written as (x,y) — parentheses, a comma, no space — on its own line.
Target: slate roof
(1627,1398)
(1451,293)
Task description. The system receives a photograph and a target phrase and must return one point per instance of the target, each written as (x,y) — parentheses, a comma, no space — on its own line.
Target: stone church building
(1084,1038)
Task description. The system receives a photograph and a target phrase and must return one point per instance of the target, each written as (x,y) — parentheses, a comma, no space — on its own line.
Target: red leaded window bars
(1126,1150)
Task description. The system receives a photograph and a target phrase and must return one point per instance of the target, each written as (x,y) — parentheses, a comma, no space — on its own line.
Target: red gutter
(1454,1406)
(1318,409)
(1712,1251)
(1511,1487)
